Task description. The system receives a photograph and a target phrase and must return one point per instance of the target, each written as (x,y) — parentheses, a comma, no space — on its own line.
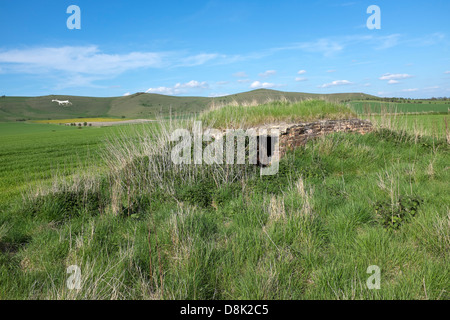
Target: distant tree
(85,124)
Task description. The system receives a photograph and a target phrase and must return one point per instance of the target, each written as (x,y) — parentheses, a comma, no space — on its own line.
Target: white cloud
(163,90)
(198,59)
(410,90)
(215,95)
(267,73)
(192,84)
(82,60)
(327,47)
(301,72)
(299,79)
(78,81)
(259,85)
(427,40)
(447,72)
(335,83)
(222,83)
(331,71)
(393,81)
(243,80)
(332,46)
(395,76)
(81,65)
(240,74)
(179,88)
(389,41)
(126,94)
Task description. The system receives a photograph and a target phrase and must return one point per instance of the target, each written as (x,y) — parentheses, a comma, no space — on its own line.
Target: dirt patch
(9,248)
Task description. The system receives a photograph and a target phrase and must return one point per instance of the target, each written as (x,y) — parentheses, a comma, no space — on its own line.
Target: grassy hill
(42,108)
(140,105)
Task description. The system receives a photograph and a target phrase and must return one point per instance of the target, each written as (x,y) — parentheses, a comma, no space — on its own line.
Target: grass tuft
(242,116)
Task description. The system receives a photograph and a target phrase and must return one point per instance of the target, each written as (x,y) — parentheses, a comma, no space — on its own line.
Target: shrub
(199,193)
(64,205)
(393,215)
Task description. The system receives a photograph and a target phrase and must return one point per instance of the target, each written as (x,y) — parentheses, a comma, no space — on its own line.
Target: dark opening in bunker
(265,149)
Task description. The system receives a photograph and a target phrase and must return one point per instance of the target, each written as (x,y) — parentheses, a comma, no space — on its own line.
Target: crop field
(31,153)
(433,125)
(141,227)
(416,106)
(63,121)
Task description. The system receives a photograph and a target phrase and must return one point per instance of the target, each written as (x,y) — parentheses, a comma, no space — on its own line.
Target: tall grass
(243,116)
(142,165)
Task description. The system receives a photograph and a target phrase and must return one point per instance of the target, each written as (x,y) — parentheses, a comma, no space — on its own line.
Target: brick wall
(295,135)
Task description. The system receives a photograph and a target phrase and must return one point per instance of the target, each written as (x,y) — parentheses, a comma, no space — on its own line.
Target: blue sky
(213,48)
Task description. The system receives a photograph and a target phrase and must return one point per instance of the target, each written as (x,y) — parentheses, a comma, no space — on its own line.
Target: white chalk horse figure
(63,103)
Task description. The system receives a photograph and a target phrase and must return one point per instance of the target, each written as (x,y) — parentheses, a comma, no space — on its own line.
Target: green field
(141,227)
(425,124)
(34,153)
(416,106)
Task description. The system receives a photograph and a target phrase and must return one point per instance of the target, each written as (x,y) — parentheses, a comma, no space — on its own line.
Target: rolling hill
(140,105)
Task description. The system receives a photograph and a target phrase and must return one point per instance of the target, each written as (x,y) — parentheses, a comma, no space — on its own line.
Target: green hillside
(42,108)
(150,105)
(140,105)
(262,95)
